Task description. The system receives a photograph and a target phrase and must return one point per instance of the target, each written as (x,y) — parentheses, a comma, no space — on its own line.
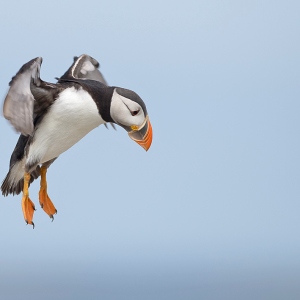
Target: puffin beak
(143,134)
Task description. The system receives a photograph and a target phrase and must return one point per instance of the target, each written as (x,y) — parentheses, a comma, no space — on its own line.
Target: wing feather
(84,67)
(19,102)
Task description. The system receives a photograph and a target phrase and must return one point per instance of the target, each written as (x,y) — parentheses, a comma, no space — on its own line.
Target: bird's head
(129,111)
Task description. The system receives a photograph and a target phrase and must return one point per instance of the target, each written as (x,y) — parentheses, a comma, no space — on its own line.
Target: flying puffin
(53,117)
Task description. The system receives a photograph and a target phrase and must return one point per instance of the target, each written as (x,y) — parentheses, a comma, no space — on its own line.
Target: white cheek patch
(121,108)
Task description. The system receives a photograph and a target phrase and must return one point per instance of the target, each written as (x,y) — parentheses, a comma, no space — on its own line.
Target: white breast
(69,119)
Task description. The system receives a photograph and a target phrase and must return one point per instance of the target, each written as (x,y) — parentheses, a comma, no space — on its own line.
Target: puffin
(52,117)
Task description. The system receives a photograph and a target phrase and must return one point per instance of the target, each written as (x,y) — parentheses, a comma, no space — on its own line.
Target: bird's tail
(14,181)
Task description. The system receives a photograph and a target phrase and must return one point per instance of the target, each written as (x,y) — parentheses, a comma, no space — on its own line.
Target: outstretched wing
(18,105)
(84,67)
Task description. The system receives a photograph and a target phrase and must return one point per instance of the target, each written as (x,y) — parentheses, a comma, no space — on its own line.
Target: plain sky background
(211,211)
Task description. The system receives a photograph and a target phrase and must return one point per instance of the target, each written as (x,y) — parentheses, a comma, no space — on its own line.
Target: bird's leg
(27,205)
(45,201)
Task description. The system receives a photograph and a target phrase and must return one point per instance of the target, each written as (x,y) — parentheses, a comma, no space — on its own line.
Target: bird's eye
(135,112)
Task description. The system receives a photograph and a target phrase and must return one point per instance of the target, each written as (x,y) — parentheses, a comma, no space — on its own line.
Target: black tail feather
(17,188)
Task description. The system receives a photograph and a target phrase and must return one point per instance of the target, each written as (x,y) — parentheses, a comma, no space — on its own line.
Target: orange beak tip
(146,140)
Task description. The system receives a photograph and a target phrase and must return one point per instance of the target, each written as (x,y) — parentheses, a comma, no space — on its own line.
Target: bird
(52,117)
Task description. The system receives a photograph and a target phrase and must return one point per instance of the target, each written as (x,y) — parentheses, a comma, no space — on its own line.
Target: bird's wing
(18,105)
(84,67)
(28,97)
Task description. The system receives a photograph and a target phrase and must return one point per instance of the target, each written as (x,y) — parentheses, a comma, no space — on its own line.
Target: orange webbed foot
(45,201)
(27,205)
(28,210)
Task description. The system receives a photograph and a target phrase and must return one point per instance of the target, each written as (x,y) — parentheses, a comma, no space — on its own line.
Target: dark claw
(105,125)
(52,218)
(30,224)
(113,126)
(55,211)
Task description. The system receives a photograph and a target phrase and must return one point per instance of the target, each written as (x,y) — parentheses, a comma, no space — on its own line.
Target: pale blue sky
(211,211)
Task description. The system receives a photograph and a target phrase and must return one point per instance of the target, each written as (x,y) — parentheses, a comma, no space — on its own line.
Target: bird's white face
(126,112)
(131,116)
